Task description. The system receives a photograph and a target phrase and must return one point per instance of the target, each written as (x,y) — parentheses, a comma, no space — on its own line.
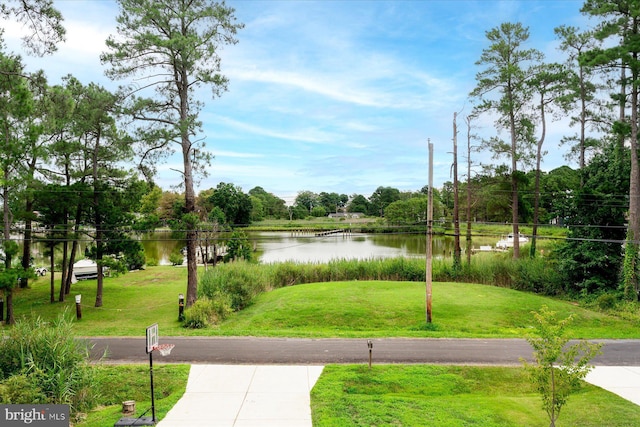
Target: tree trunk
(63,270)
(633,231)
(28,233)
(456,207)
(536,202)
(514,187)
(189,193)
(52,282)
(6,215)
(74,249)
(98,224)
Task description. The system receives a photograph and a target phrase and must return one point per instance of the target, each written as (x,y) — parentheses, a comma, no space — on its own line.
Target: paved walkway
(278,396)
(621,380)
(245,396)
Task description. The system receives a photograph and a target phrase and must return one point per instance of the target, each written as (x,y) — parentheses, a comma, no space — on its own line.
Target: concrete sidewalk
(621,380)
(245,396)
(278,396)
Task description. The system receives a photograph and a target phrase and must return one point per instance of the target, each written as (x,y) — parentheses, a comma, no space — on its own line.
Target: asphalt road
(299,351)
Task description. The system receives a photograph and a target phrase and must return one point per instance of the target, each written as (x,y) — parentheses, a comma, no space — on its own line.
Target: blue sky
(336,96)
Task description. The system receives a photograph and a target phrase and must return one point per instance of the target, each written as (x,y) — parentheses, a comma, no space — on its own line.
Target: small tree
(238,247)
(558,370)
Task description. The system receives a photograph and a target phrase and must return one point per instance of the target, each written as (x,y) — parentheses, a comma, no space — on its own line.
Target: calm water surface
(272,247)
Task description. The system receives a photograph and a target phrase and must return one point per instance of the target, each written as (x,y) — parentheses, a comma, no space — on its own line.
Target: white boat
(508,241)
(85,269)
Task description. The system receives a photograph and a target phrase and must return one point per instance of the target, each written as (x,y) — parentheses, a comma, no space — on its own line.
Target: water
(277,247)
(270,247)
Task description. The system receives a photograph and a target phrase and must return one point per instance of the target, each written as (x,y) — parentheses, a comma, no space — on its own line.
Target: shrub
(240,281)
(606,301)
(21,389)
(198,316)
(51,359)
(206,312)
(176,258)
(559,368)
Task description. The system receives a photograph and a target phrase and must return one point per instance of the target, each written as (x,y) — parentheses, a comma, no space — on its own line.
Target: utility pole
(456,207)
(468,119)
(429,271)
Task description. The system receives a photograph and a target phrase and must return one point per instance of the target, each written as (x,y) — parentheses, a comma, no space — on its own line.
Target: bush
(52,361)
(606,301)
(206,312)
(176,258)
(239,281)
(19,389)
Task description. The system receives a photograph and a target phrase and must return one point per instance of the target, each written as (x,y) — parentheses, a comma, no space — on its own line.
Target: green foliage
(131,382)
(147,223)
(449,396)
(411,211)
(606,301)
(235,283)
(238,247)
(235,204)
(630,271)
(270,206)
(21,388)
(591,259)
(318,211)
(206,312)
(559,369)
(52,361)
(243,280)
(381,198)
(176,257)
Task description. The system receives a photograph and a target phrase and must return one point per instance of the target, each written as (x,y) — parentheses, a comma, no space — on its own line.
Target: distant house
(349,215)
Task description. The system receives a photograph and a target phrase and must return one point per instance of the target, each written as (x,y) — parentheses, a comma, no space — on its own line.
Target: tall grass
(242,281)
(48,361)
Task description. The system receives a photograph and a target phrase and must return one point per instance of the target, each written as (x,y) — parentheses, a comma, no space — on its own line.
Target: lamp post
(78,307)
(180,307)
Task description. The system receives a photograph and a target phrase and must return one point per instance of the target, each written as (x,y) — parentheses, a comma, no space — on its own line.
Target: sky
(335,95)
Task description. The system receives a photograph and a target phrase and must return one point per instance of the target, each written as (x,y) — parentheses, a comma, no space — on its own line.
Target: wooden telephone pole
(429,271)
(457,263)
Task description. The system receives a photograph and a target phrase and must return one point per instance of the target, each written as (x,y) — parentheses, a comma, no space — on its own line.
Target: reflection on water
(277,247)
(285,246)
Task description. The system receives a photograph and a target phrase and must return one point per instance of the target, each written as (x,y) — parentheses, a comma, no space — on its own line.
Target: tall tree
(35,152)
(507,66)
(104,148)
(549,86)
(582,88)
(16,132)
(620,26)
(42,20)
(381,198)
(591,259)
(70,166)
(173,44)
(306,200)
(235,204)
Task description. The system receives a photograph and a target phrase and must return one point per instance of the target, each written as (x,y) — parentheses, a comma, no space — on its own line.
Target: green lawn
(135,300)
(118,383)
(397,309)
(405,395)
(452,396)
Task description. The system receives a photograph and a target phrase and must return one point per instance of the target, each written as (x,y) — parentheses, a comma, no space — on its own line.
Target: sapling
(559,368)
